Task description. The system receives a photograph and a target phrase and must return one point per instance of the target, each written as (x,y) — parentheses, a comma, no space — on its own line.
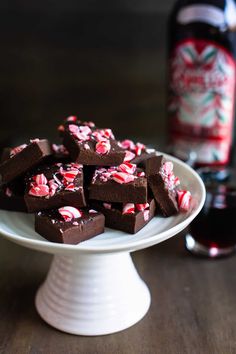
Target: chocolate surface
(66,192)
(27,158)
(130,223)
(52,226)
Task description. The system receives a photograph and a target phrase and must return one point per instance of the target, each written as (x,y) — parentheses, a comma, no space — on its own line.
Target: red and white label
(201,101)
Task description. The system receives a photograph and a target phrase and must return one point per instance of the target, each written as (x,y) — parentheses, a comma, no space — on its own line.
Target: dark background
(102,60)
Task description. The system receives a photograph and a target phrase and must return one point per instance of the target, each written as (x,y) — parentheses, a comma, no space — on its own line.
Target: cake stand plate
(93,288)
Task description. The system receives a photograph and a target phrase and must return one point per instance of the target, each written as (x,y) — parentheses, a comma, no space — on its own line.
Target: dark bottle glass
(201,93)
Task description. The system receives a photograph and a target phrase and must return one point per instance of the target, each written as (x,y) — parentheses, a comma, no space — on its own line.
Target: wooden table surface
(192,310)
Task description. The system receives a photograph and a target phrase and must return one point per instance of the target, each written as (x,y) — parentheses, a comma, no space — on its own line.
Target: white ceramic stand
(93,294)
(93,288)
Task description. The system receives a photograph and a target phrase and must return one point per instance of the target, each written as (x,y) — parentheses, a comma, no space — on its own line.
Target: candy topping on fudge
(69,213)
(90,145)
(62,178)
(165,186)
(17,149)
(128,217)
(135,152)
(55,185)
(113,185)
(184,199)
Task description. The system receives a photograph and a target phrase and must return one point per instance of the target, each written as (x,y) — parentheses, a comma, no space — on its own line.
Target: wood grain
(192,310)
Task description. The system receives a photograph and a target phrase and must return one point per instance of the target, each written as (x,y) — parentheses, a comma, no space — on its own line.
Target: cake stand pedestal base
(93,294)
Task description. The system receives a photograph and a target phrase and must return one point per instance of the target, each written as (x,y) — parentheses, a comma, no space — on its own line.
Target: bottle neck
(221,18)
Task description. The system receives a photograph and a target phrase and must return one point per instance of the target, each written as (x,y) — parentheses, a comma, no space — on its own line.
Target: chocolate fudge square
(22,158)
(90,145)
(163,183)
(129,217)
(114,185)
(54,186)
(81,226)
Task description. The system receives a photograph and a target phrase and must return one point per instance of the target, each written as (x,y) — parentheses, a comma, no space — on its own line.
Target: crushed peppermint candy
(129,155)
(71,119)
(63,178)
(131,208)
(127,167)
(107,205)
(103,147)
(8,192)
(122,177)
(184,199)
(132,149)
(69,213)
(17,149)
(146,215)
(170,180)
(92,211)
(128,208)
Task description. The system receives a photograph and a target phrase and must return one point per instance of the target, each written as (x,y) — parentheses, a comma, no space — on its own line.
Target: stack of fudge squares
(89,181)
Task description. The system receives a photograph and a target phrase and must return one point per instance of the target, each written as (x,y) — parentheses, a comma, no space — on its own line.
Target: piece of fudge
(127,217)
(69,225)
(122,184)
(90,145)
(22,158)
(136,153)
(163,184)
(12,196)
(54,186)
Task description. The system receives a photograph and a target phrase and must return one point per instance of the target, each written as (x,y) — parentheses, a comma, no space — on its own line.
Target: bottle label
(201,101)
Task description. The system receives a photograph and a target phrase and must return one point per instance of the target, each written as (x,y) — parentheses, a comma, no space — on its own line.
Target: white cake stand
(93,288)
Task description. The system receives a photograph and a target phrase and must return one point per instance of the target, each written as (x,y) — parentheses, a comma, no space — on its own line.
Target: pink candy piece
(71,119)
(127,167)
(52,187)
(128,144)
(103,147)
(92,211)
(184,198)
(90,124)
(84,129)
(141,174)
(76,166)
(107,133)
(40,179)
(167,167)
(70,187)
(17,149)
(128,208)
(142,207)
(41,190)
(97,135)
(138,148)
(129,155)
(107,205)
(69,213)
(121,177)
(80,134)
(8,192)
(69,176)
(146,215)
